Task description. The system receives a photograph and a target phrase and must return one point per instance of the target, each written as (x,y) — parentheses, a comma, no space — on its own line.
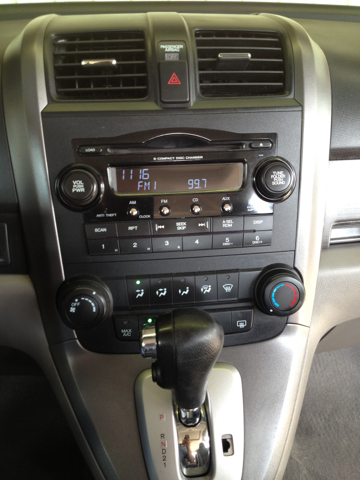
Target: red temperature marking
(295,294)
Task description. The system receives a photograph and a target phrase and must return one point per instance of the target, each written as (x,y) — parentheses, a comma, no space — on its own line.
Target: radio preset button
(105,246)
(227,224)
(167,244)
(257,239)
(165,210)
(133,229)
(231,240)
(196,208)
(202,242)
(227,207)
(135,245)
(134,212)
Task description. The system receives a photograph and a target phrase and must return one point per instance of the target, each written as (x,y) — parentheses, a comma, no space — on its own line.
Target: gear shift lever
(187,343)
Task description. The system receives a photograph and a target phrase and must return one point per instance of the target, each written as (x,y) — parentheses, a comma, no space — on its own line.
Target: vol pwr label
(174,80)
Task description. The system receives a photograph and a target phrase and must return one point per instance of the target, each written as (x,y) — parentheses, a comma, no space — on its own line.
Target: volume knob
(79,187)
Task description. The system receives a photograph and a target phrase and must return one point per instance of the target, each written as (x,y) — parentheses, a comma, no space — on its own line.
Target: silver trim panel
(156,418)
(343,199)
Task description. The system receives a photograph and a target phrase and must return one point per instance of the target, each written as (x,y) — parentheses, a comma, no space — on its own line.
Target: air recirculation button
(275,179)
(79,187)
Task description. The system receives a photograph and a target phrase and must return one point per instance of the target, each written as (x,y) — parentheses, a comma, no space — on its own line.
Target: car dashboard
(158,157)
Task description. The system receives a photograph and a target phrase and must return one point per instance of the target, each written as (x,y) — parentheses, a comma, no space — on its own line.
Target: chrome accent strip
(189,417)
(148,342)
(345,232)
(194,443)
(102,62)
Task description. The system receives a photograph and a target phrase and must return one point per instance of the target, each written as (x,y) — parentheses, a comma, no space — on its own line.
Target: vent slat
(99,52)
(100,89)
(79,77)
(63,42)
(226,47)
(126,80)
(78,64)
(264,74)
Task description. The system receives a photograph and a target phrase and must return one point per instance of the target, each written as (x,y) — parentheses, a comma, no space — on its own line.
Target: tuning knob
(79,187)
(279,290)
(84,302)
(274,179)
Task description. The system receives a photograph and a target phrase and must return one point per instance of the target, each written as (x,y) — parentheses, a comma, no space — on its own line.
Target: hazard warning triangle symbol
(174,80)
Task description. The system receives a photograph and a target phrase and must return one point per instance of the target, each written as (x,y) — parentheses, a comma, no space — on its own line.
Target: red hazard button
(174,83)
(174,80)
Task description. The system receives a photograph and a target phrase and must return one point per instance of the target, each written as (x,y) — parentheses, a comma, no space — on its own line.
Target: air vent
(234,63)
(101,65)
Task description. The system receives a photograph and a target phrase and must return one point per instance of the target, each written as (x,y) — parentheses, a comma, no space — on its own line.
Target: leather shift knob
(189,342)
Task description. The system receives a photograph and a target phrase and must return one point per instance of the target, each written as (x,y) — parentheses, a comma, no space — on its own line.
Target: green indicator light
(150,320)
(138,282)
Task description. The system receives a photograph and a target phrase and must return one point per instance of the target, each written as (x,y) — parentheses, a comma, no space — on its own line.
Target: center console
(204,205)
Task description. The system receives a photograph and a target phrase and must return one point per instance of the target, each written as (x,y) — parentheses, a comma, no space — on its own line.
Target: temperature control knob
(275,179)
(84,302)
(279,290)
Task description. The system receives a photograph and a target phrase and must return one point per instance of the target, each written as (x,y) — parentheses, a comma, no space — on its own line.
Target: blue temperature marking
(273,295)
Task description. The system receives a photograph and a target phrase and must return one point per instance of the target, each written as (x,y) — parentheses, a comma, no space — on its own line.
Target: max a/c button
(174,84)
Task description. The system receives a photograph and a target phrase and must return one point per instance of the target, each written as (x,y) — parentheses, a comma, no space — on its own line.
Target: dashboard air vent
(235,63)
(100,65)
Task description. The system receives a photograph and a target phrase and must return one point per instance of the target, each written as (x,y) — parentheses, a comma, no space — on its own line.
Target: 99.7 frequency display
(171,179)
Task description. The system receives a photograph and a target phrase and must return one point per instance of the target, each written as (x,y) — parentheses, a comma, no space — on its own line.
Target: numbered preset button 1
(104,246)
(135,245)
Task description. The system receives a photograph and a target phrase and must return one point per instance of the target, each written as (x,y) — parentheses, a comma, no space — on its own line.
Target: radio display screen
(172,179)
